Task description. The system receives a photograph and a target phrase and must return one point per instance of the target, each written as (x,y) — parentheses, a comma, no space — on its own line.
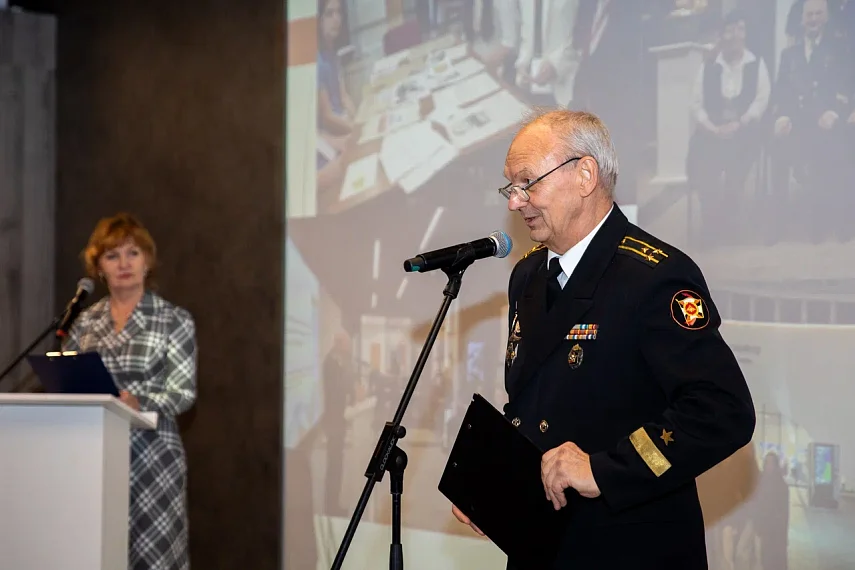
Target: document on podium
(73,373)
(493,477)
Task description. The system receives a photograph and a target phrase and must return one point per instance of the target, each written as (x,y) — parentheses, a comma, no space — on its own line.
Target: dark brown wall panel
(174,111)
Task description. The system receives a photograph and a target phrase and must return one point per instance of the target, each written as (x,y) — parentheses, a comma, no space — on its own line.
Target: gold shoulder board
(641,251)
(538,247)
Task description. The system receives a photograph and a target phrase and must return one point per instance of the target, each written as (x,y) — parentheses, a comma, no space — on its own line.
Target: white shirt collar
(747,57)
(571,257)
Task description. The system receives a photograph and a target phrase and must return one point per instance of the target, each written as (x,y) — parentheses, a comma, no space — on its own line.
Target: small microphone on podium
(84,287)
(497,244)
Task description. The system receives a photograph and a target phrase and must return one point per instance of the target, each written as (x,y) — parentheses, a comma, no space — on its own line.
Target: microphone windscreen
(504,243)
(86,284)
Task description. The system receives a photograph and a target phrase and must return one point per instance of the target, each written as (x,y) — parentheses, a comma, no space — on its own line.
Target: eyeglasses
(522,191)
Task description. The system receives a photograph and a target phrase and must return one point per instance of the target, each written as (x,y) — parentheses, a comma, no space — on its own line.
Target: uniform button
(515,422)
(543,426)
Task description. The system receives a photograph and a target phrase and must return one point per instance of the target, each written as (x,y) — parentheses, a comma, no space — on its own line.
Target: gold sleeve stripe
(649,452)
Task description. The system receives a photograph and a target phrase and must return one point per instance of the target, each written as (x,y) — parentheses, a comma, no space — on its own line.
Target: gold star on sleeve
(667,436)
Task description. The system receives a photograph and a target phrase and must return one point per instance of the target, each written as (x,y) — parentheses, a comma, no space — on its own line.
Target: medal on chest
(575,356)
(514,339)
(582,331)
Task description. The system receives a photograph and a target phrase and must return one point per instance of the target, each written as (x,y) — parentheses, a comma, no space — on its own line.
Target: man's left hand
(564,467)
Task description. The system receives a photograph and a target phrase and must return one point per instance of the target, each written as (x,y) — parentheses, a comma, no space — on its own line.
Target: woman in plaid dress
(149,347)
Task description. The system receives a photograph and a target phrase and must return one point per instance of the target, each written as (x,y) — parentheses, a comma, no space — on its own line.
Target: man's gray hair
(582,134)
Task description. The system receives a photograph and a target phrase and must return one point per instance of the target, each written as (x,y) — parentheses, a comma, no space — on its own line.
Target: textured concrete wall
(173,111)
(27,158)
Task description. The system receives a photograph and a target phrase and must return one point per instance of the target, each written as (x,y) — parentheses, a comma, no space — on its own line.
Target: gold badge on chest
(575,356)
(514,339)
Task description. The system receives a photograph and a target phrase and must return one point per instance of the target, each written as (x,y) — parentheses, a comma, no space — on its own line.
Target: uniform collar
(571,257)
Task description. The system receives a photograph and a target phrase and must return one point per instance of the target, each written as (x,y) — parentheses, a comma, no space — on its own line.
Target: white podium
(64,466)
(677,66)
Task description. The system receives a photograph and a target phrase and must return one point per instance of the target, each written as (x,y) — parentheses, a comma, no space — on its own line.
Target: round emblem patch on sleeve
(688,310)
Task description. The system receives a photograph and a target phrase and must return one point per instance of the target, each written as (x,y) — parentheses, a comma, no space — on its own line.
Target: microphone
(497,244)
(72,310)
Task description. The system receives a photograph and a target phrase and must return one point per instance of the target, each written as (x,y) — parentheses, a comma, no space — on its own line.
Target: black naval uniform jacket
(629,365)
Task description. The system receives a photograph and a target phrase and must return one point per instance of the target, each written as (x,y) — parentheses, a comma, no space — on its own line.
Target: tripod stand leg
(396,466)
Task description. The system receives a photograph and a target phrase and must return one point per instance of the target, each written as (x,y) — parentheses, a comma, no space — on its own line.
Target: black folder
(73,373)
(493,477)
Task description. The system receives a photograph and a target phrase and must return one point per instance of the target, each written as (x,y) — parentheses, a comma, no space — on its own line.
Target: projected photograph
(734,123)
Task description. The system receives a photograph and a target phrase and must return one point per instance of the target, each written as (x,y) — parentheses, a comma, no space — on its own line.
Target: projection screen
(399,115)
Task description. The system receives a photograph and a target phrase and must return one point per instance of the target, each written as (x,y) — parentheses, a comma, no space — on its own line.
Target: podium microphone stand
(387,456)
(61,321)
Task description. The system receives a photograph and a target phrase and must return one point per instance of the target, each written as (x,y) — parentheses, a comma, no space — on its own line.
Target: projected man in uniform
(811,102)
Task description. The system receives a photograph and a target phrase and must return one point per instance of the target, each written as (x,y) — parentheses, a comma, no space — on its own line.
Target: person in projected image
(610,79)
(546,61)
(339,379)
(149,346)
(331,159)
(771,510)
(741,548)
(615,366)
(726,493)
(729,100)
(336,129)
(335,106)
(811,105)
(501,48)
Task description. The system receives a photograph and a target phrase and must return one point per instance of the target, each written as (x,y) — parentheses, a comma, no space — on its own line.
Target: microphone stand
(387,456)
(52,327)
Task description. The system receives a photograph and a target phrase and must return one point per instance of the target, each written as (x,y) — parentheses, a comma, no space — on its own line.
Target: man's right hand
(464,519)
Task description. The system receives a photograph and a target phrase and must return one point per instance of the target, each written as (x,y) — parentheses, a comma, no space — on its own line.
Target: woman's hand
(129,400)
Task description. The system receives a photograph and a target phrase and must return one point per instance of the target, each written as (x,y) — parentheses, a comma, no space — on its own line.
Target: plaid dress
(153,358)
